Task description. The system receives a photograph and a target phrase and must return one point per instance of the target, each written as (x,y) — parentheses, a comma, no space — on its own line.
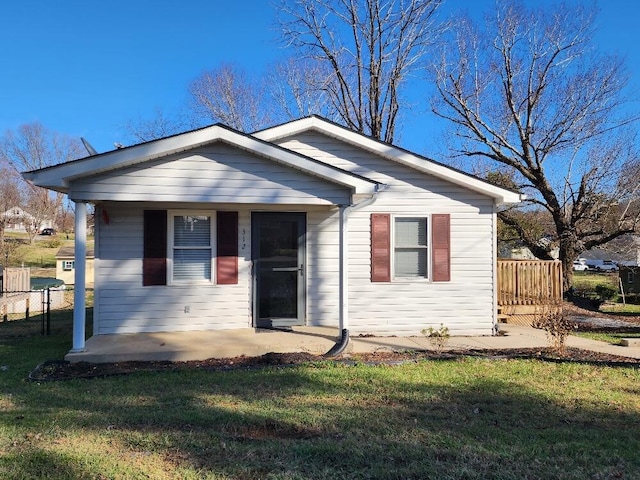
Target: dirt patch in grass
(61,370)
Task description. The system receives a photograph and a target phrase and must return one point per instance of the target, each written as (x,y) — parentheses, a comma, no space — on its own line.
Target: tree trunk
(567,254)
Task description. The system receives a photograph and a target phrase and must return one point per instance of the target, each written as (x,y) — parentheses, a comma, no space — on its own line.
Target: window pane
(192,264)
(410,232)
(411,262)
(191,231)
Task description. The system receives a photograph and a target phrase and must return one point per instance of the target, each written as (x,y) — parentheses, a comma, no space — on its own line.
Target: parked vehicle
(607,266)
(579,266)
(48,231)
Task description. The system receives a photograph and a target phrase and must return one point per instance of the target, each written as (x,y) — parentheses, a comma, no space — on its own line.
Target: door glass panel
(278,256)
(278,294)
(278,269)
(279,241)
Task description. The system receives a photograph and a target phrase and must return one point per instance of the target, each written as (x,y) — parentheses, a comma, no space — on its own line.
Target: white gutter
(343,314)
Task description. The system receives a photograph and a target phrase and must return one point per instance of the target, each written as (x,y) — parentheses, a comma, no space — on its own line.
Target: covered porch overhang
(221,343)
(329,187)
(84,349)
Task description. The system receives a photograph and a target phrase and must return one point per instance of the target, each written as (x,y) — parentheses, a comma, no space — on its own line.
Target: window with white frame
(410,247)
(68,265)
(191,247)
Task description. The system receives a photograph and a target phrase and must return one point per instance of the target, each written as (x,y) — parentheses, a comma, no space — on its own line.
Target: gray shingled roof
(69,252)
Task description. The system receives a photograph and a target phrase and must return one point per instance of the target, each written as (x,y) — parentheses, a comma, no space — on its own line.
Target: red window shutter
(227,246)
(441,247)
(154,262)
(380,247)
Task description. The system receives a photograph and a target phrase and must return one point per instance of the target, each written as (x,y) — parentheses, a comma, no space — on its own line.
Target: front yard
(463,418)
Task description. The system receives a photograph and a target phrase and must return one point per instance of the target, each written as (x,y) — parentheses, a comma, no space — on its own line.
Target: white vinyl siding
(466,303)
(122,305)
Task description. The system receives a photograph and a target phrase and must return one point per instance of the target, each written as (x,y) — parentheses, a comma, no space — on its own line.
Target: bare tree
(10,197)
(296,87)
(65,220)
(31,147)
(351,61)
(291,88)
(227,95)
(40,207)
(526,91)
(160,125)
(370,47)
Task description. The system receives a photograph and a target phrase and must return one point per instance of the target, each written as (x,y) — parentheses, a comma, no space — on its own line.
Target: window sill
(410,280)
(191,284)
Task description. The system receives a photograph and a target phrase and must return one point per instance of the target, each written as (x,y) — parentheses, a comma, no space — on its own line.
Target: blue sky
(86,68)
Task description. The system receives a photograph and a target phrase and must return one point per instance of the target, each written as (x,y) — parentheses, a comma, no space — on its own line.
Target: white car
(607,266)
(579,266)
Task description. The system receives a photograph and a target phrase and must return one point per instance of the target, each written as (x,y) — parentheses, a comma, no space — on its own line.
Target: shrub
(438,337)
(552,320)
(606,292)
(593,290)
(53,243)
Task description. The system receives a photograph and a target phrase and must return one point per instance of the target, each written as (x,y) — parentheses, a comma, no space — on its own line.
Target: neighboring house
(520,252)
(17,220)
(306,223)
(624,250)
(66,265)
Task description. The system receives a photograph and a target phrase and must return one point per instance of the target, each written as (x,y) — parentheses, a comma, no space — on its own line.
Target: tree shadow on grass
(468,420)
(38,463)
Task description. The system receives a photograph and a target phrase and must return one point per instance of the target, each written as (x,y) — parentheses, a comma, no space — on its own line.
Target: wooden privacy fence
(525,284)
(15,279)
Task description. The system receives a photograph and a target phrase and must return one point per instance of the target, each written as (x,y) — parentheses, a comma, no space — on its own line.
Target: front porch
(201,345)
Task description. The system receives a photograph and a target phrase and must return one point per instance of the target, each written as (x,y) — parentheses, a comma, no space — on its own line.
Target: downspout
(343,316)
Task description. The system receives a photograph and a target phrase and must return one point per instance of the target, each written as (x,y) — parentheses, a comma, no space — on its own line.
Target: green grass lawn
(461,419)
(612,338)
(41,253)
(619,308)
(588,280)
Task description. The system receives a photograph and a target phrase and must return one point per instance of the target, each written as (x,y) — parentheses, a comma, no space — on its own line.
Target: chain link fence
(35,312)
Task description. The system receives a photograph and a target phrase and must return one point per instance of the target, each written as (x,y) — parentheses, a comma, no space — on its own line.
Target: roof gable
(390,152)
(58,177)
(213,173)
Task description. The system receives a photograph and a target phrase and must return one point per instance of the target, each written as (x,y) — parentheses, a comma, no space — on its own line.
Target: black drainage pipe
(340,345)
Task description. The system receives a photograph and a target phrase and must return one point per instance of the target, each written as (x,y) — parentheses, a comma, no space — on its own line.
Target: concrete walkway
(185,346)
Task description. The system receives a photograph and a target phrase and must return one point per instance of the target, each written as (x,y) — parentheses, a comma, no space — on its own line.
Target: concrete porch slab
(200,345)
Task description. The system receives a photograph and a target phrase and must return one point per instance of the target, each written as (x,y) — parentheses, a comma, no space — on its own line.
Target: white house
(19,220)
(306,223)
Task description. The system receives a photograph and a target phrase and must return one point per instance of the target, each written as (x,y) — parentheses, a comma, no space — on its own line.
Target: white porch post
(344,271)
(79,307)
